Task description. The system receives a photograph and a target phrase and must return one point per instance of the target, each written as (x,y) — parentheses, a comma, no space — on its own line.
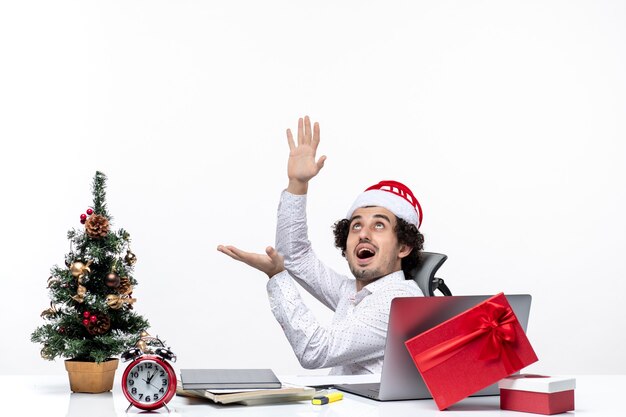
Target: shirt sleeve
(356,337)
(300,260)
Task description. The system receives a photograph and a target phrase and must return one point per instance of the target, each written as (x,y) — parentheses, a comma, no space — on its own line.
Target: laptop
(408,317)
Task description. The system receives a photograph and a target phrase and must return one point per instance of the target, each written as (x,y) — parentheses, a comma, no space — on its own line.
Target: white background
(505,118)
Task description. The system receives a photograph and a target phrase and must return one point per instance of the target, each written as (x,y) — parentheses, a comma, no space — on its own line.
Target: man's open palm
(302,165)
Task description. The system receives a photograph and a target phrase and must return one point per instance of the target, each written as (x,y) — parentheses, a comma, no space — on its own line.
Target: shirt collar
(371,288)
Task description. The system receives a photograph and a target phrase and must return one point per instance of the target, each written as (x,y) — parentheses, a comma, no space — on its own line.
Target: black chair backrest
(424,274)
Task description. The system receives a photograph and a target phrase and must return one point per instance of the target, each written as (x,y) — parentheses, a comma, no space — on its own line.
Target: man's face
(372,248)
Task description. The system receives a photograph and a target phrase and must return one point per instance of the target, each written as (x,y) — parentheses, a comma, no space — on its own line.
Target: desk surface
(596,395)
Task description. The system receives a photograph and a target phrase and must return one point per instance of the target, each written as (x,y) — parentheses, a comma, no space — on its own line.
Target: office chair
(424,274)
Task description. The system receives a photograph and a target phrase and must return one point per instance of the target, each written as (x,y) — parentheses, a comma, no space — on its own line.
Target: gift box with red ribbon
(539,394)
(471,351)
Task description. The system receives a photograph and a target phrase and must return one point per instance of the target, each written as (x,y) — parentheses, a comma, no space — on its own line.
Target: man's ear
(405,250)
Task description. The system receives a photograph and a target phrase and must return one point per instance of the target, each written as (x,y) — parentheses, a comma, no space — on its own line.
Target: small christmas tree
(91,315)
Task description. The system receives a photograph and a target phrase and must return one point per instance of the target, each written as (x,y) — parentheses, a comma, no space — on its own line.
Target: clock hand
(148,382)
(152,376)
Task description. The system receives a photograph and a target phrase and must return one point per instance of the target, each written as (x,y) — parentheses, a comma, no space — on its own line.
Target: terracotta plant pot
(91,377)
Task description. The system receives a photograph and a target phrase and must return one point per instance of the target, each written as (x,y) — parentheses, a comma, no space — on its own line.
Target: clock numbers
(149,382)
(142,385)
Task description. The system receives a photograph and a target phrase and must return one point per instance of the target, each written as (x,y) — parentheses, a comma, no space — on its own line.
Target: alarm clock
(149,381)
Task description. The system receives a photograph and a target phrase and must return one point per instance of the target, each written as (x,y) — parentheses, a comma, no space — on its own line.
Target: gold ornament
(80,292)
(146,342)
(79,269)
(117,301)
(49,313)
(125,291)
(130,258)
(142,345)
(96,226)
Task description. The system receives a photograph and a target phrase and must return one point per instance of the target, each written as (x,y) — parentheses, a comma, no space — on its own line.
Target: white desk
(50,396)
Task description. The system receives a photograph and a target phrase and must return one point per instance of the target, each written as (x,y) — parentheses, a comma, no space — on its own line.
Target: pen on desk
(328,398)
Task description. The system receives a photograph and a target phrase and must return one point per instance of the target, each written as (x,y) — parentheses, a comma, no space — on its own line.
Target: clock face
(149,382)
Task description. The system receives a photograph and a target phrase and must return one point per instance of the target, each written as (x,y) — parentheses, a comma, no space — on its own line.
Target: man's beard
(365,274)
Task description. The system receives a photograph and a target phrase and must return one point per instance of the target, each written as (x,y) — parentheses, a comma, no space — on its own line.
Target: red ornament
(89,211)
(86,314)
(83,221)
(83,216)
(61,330)
(93,319)
(85,322)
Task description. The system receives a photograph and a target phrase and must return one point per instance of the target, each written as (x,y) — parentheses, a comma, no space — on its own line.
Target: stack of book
(242,386)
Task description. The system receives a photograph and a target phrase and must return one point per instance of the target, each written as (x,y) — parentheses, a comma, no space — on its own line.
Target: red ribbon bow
(492,322)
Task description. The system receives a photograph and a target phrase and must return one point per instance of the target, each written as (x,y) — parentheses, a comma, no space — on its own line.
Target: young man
(380,240)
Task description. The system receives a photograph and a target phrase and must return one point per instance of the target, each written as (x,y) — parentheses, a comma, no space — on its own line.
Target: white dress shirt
(354,343)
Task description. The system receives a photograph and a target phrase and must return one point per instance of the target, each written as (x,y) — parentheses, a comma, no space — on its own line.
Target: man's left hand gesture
(271,263)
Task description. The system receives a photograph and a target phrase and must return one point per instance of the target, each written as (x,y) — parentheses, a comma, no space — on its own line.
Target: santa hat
(395,197)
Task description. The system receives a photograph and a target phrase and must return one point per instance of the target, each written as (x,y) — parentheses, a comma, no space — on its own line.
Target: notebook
(207,379)
(409,316)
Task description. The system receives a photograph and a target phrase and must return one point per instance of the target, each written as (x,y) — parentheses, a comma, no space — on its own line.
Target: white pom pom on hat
(395,197)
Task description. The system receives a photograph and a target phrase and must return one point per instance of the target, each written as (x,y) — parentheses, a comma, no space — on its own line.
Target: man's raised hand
(302,165)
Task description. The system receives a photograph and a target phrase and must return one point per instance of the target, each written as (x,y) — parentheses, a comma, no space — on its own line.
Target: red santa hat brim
(395,197)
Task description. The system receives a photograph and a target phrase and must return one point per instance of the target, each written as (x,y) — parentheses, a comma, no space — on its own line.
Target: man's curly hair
(407,234)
